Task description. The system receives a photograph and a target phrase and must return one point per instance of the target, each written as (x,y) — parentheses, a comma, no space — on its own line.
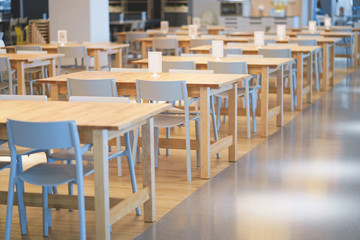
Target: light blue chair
(170,91)
(44,135)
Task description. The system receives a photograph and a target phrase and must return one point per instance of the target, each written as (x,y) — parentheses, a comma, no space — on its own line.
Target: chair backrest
(98,99)
(228,67)
(43,135)
(239,44)
(161,90)
(191,71)
(129,70)
(308,34)
(132,36)
(31,52)
(232,51)
(304,42)
(283,44)
(200,42)
(275,53)
(27,48)
(2,43)
(92,87)
(244,56)
(266,41)
(24,97)
(5,65)
(165,43)
(166,65)
(75,52)
(158,34)
(195,55)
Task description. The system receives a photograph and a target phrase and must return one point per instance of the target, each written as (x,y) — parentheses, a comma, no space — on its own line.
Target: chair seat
(167,120)
(47,174)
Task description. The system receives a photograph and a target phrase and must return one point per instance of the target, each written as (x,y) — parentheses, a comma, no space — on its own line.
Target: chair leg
(156,147)
(118,146)
(168,136)
(81,206)
(248,120)
(197,125)
(45,212)
(225,105)
(131,167)
(219,102)
(10,201)
(254,105)
(20,188)
(49,210)
(188,153)
(212,111)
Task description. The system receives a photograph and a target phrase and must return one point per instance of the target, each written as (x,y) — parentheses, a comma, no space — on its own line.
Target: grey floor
(301,183)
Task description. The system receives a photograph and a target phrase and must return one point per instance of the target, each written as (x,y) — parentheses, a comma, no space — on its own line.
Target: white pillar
(84,20)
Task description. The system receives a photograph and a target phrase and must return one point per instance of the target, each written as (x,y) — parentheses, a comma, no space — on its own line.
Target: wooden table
(212,29)
(22,61)
(300,53)
(93,49)
(256,66)
(199,85)
(97,123)
(328,46)
(184,41)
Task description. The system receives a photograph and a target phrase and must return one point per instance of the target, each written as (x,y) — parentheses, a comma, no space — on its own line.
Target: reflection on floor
(301,183)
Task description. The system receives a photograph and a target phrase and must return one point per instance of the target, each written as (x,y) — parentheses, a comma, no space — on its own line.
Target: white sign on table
(327,22)
(193,31)
(312,26)
(164,26)
(259,38)
(281,31)
(217,49)
(155,63)
(197,21)
(62,37)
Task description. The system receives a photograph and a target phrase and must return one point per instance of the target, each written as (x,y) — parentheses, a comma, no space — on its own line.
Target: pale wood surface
(254,48)
(30,57)
(93,46)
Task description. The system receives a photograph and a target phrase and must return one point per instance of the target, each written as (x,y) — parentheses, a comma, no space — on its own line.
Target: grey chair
(189,65)
(228,51)
(249,93)
(134,50)
(166,45)
(76,59)
(195,55)
(200,42)
(283,53)
(6,72)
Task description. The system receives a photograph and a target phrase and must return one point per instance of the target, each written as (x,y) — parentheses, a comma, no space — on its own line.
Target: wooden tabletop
(304,49)
(187,38)
(317,38)
(258,62)
(129,78)
(30,57)
(92,46)
(110,116)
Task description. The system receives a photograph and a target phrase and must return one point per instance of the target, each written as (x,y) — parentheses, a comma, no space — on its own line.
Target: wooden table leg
(54,92)
(309,76)
(101,166)
(97,60)
(149,169)
(232,130)
(332,64)
(205,133)
(20,71)
(355,49)
(143,49)
(299,80)
(52,68)
(118,58)
(264,101)
(280,95)
(324,79)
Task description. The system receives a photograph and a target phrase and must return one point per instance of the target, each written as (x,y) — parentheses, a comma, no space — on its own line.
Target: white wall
(202,6)
(84,20)
(305,12)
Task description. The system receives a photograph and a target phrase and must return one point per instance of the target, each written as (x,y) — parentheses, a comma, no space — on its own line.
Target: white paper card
(155,62)
(193,31)
(62,37)
(259,38)
(164,26)
(143,16)
(218,49)
(121,17)
(281,31)
(197,21)
(327,22)
(312,26)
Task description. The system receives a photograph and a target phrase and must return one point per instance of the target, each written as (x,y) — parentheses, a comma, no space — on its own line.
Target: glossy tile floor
(301,183)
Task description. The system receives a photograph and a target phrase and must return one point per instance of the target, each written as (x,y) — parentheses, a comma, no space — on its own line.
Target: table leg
(97,60)
(355,49)
(101,166)
(52,68)
(54,92)
(205,133)
(325,48)
(264,101)
(232,130)
(280,95)
(309,75)
(20,71)
(149,169)
(332,64)
(299,80)
(118,58)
